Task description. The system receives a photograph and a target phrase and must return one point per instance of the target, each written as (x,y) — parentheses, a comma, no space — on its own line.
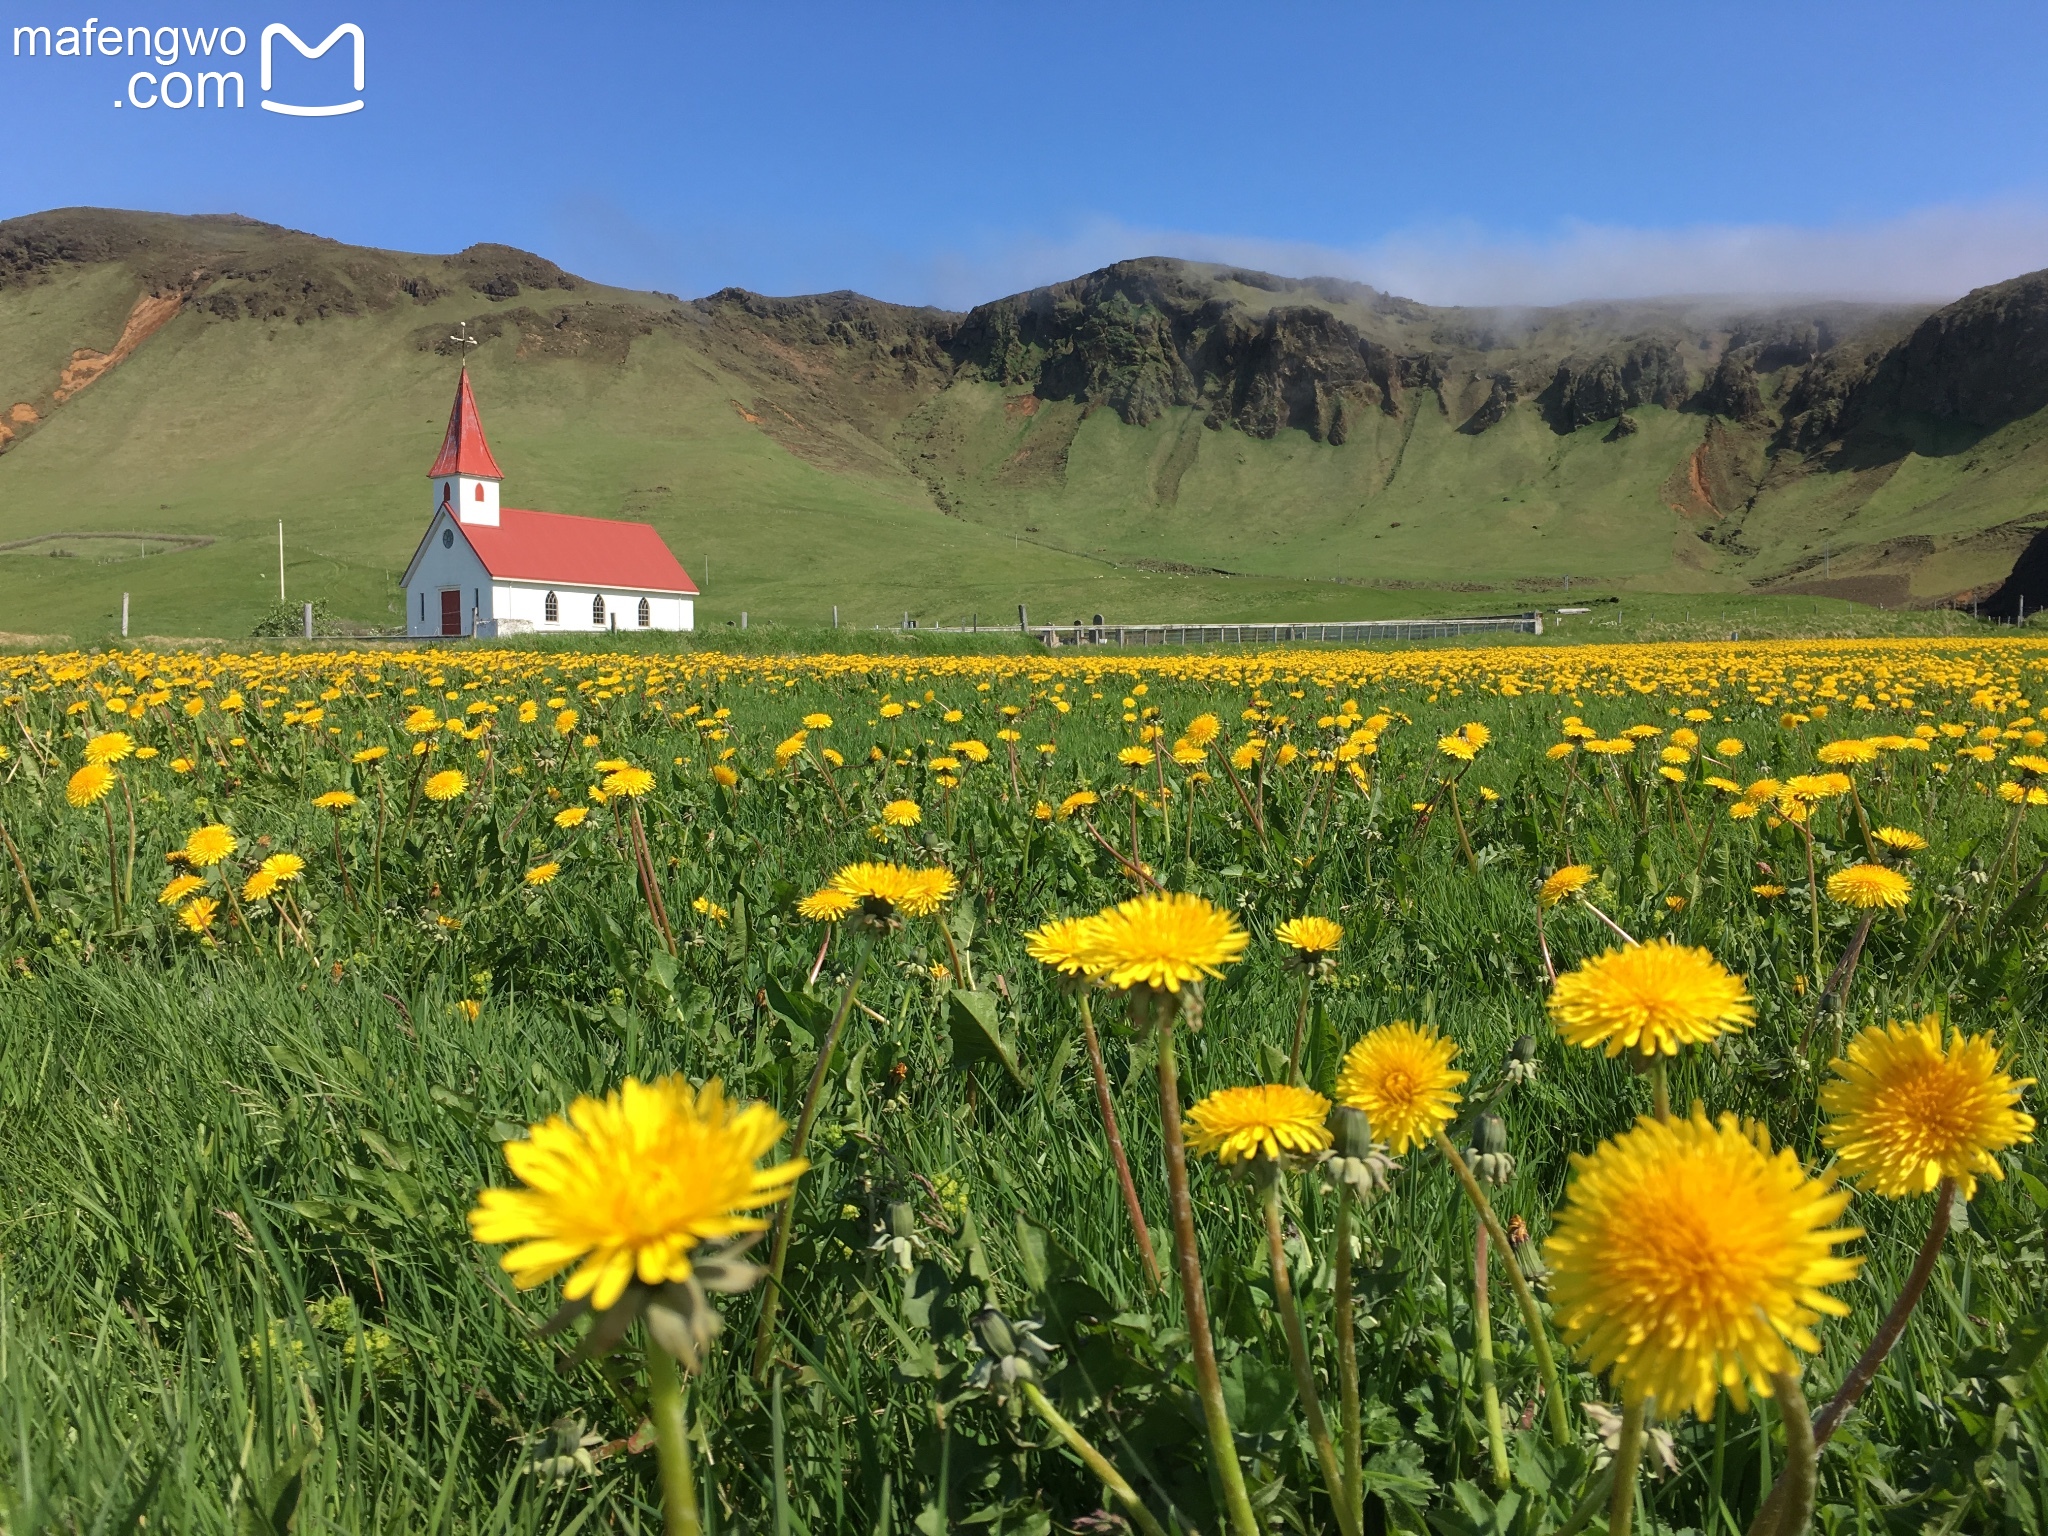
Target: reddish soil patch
(1019,406)
(150,314)
(23,414)
(745,414)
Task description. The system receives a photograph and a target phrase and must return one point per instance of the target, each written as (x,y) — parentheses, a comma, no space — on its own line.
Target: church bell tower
(465,476)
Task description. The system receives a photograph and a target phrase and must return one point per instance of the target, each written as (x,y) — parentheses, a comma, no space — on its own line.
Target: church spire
(463,449)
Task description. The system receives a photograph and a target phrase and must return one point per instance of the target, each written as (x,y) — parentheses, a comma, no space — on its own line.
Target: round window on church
(447,538)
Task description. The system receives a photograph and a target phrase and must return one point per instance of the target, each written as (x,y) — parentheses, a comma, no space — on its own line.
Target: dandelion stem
(1628,1461)
(1458,820)
(1300,1026)
(1343,1320)
(1482,1330)
(771,1297)
(348,890)
(1114,1137)
(1626,936)
(1845,970)
(1532,1315)
(1812,896)
(113,864)
(128,880)
(21,869)
(1789,1509)
(1660,1086)
(1162,1006)
(1334,1481)
(671,1444)
(1094,1460)
(1867,1364)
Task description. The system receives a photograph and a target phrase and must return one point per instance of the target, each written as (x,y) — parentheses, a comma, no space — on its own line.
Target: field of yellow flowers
(1507,1091)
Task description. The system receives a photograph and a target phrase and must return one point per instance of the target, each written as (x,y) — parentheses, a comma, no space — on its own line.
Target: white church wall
(575,607)
(446,562)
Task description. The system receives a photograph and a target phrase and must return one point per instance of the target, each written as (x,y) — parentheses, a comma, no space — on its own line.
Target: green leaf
(977,1040)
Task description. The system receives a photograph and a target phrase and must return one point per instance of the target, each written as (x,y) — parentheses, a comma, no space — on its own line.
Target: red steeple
(463,450)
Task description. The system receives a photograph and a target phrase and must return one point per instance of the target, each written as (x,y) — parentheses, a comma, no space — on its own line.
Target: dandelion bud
(993,1329)
(1352,1130)
(1488,1156)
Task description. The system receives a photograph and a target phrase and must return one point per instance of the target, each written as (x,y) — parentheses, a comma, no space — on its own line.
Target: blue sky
(948,153)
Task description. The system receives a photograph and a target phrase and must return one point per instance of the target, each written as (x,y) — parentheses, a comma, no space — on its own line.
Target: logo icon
(347,29)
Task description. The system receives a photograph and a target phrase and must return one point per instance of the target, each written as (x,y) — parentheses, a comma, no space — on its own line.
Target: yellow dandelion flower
(1065,944)
(902,813)
(1136,757)
(627,1186)
(541,874)
(90,785)
(1837,754)
(446,785)
(334,800)
(565,722)
(1567,882)
(571,816)
(1457,748)
(1400,1076)
(528,712)
(1310,935)
(1238,1124)
(630,782)
(1202,730)
(109,747)
(826,906)
(371,755)
(1650,998)
(209,845)
(178,890)
(723,776)
(1906,1111)
(284,866)
(1868,886)
(422,721)
(1729,746)
(197,914)
(1079,800)
(1768,892)
(1689,1257)
(818,721)
(1558,749)
(259,885)
(1164,940)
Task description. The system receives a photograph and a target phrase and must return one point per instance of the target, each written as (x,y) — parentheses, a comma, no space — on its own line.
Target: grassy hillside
(1156,442)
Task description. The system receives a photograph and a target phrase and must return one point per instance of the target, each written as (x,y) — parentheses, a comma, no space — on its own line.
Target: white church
(485,570)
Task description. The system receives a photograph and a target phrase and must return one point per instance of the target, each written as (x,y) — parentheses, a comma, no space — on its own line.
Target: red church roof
(594,552)
(463,450)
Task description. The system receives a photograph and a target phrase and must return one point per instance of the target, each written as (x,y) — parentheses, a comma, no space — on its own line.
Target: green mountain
(1160,440)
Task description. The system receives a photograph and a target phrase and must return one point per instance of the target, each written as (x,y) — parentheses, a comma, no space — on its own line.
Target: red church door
(451,610)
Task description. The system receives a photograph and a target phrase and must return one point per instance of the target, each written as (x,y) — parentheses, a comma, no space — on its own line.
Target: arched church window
(646,614)
(479,490)
(553,609)
(597,609)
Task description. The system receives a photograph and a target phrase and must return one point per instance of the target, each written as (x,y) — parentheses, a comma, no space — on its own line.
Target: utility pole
(280,560)
(124,615)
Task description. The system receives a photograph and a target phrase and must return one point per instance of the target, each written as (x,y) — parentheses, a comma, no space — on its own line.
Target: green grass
(237,1294)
